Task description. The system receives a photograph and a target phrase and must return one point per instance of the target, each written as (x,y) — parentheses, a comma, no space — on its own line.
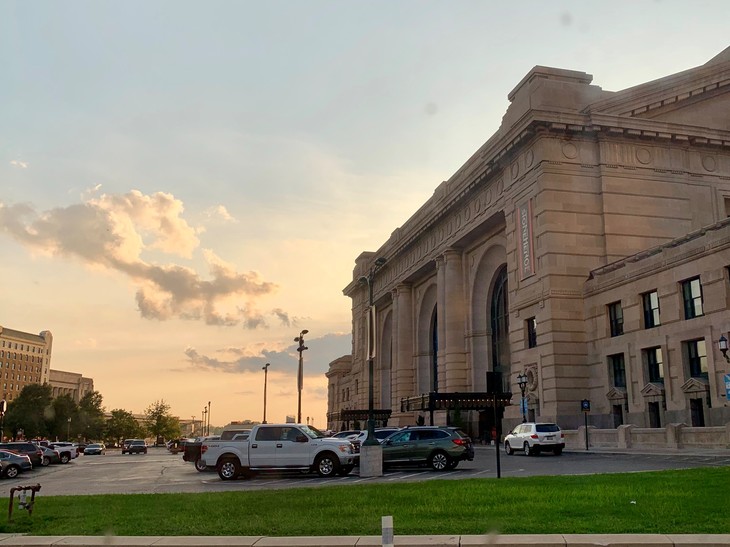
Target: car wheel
(200,465)
(558,451)
(12,471)
(527,450)
(65,458)
(508,449)
(229,469)
(327,465)
(45,461)
(439,461)
(345,470)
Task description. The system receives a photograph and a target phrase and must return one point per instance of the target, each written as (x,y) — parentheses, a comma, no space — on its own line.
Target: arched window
(499,315)
(434,350)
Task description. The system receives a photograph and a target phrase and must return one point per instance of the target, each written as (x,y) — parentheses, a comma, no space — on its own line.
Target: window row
(22,347)
(11,366)
(691,299)
(693,351)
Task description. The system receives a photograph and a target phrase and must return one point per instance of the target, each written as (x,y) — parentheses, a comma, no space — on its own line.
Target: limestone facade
(551,234)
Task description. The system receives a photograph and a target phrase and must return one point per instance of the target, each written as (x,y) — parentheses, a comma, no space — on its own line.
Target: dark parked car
(50,456)
(27,448)
(441,448)
(11,464)
(136,446)
(95,448)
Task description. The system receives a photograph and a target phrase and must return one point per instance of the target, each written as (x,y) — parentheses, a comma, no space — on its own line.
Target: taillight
(203,448)
(562,435)
(460,442)
(534,436)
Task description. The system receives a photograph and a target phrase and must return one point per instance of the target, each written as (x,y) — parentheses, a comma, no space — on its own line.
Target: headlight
(347,449)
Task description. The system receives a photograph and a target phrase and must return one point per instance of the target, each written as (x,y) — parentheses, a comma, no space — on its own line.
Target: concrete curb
(525,540)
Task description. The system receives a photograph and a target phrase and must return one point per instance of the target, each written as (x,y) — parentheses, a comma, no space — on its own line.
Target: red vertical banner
(524,236)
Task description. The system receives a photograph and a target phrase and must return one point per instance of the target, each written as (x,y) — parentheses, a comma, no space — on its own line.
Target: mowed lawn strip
(689,501)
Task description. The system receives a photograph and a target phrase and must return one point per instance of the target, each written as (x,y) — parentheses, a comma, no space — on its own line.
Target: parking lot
(162,472)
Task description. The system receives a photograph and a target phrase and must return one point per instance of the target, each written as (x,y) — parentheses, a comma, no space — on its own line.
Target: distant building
(26,359)
(585,247)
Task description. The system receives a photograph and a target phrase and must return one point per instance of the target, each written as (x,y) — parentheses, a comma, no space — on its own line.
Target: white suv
(533,438)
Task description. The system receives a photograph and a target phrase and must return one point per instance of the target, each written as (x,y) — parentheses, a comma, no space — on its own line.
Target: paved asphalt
(162,472)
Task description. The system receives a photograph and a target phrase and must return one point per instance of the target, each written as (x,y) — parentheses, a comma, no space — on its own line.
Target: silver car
(533,438)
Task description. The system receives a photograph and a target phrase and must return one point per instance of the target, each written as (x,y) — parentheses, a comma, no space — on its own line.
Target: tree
(28,412)
(91,420)
(122,425)
(160,423)
(63,409)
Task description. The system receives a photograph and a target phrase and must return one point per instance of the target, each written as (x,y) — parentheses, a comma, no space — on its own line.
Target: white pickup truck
(277,447)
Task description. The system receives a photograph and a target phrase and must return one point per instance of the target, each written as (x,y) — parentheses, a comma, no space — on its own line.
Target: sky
(185,186)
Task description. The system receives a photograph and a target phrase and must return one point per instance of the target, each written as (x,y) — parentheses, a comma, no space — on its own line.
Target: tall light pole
(368,280)
(208,430)
(266,372)
(68,429)
(202,421)
(192,429)
(522,383)
(300,375)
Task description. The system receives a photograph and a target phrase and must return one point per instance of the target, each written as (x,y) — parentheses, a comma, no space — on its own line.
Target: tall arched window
(499,315)
(434,351)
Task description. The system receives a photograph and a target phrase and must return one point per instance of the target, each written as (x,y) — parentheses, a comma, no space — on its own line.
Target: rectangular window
(692,296)
(616,319)
(651,309)
(697,358)
(618,369)
(654,364)
(531,326)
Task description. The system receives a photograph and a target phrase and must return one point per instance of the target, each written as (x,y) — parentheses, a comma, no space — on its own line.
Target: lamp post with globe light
(522,383)
(266,372)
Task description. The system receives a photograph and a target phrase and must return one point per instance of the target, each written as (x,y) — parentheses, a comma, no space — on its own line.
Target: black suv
(136,446)
(27,448)
(440,447)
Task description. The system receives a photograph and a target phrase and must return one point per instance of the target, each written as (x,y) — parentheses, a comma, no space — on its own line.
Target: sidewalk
(693,451)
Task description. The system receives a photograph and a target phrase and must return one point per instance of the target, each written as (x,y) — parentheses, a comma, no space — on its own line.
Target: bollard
(387,526)
(23,499)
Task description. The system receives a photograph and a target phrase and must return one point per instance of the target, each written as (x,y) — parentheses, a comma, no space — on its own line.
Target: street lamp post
(368,280)
(202,421)
(371,453)
(723,345)
(266,372)
(300,374)
(208,429)
(522,383)
(68,429)
(192,428)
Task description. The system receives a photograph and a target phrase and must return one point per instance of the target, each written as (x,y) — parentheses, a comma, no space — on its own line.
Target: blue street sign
(523,406)
(727,387)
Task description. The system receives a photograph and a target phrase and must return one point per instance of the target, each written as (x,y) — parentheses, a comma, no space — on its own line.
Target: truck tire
(229,469)
(327,464)
(200,465)
(65,457)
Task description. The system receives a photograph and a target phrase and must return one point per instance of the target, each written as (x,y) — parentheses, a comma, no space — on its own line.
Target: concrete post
(624,435)
(674,435)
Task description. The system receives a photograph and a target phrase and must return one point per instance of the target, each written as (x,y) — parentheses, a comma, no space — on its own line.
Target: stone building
(584,245)
(26,359)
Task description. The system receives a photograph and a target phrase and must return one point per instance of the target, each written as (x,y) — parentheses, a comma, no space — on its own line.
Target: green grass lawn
(681,502)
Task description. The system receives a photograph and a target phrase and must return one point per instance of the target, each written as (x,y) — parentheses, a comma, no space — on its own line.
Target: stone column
(454,319)
(403,313)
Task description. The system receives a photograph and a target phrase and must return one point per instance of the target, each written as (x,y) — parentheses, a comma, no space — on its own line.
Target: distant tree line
(36,414)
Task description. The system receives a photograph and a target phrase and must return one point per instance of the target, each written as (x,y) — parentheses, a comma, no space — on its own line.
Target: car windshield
(546,428)
(312,432)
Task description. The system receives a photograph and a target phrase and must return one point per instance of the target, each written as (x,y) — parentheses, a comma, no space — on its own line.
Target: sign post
(585,406)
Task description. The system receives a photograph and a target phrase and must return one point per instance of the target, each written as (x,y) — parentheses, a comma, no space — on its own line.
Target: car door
(293,451)
(262,449)
(397,447)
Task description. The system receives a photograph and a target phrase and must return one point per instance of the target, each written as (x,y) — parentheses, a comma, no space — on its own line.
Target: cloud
(220,212)
(322,351)
(19,164)
(114,231)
